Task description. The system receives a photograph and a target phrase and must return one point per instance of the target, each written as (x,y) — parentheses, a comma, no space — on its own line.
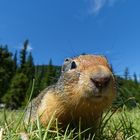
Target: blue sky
(62,28)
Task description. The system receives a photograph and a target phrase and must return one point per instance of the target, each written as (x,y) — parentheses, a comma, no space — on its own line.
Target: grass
(121,125)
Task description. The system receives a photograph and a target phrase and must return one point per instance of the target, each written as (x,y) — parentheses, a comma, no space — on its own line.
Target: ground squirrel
(84,90)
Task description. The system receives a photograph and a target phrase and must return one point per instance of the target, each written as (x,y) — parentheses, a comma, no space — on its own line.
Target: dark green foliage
(126,73)
(40,72)
(45,75)
(29,67)
(23,54)
(16,79)
(50,75)
(6,69)
(15,96)
(15,61)
(135,78)
(128,92)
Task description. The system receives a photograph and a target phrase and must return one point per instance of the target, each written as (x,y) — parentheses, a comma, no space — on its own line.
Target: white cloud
(30,48)
(20,46)
(97,5)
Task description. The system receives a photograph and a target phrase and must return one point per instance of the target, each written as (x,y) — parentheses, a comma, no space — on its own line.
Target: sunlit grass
(121,125)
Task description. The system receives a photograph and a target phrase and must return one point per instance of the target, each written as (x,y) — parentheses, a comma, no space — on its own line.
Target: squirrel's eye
(67,59)
(73,65)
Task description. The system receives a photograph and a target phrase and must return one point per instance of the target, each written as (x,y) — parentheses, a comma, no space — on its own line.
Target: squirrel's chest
(67,113)
(86,115)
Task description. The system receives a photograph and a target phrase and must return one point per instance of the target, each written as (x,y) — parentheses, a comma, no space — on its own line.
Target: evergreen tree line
(128,90)
(18,74)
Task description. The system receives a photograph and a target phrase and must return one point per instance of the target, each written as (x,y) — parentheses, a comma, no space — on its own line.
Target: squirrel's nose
(101,81)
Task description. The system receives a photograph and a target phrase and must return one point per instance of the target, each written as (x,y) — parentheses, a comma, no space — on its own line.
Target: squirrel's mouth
(93,94)
(96,93)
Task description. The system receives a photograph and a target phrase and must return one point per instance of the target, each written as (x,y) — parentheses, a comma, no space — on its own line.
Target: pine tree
(6,69)
(126,73)
(15,61)
(22,79)
(30,73)
(23,54)
(39,82)
(135,78)
(30,68)
(51,74)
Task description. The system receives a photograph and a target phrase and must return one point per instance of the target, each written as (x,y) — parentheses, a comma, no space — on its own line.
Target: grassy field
(121,125)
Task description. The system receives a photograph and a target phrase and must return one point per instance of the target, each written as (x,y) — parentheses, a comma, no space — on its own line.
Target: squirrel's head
(88,77)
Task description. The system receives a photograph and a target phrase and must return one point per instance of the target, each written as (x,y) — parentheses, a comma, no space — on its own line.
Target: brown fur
(73,97)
